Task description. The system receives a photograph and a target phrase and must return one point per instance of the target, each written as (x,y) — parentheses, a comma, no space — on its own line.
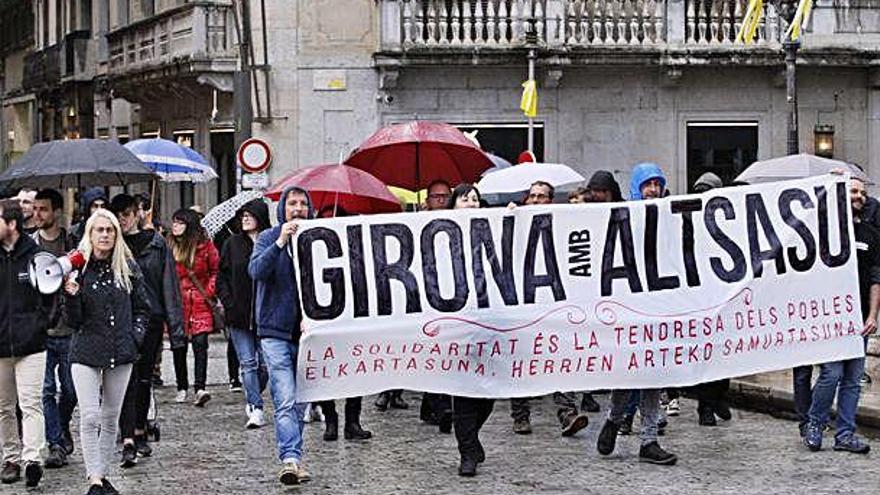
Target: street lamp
(823,140)
(786,10)
(531,44)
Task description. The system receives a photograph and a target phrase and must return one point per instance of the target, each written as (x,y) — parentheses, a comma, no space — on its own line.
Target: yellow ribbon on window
(749,27)
(801,18)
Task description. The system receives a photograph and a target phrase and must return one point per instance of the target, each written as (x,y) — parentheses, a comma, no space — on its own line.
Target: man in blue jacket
(279,320)
(648,182)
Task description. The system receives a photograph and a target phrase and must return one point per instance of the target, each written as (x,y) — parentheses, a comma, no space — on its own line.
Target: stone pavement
(207,451)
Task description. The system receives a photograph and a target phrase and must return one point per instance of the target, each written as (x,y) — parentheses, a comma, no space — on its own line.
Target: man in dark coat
(162,288)
(23,323)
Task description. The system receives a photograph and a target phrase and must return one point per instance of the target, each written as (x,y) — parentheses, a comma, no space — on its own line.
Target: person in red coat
(197,265)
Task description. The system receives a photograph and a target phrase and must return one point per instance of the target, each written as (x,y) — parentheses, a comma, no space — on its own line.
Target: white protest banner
(511,303)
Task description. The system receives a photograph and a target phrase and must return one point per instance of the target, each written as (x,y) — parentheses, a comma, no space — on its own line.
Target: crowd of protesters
(96,343)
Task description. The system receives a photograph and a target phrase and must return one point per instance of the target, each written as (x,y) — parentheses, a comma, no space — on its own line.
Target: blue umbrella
(172,162)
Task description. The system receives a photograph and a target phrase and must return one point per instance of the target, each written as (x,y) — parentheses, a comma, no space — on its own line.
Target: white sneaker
(673,408)
(313,414)
(255,418)
(181,396)
(202,398)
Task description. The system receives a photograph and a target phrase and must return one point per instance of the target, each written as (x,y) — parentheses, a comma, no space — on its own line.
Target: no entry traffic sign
(254,155)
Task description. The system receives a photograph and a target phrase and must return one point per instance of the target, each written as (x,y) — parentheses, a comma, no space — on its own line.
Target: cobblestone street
(208,451)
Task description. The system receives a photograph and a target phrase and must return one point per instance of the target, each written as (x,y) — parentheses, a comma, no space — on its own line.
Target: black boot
(383,400)
(354,431)
(331,431)
(468,467)
(445,423)
(707,416)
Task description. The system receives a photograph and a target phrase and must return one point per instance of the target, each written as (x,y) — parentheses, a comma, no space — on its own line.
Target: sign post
(254,157)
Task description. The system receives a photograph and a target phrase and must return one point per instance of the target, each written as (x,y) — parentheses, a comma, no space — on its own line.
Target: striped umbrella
(172,162)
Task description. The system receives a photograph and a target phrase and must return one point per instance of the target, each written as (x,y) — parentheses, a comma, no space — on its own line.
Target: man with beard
(842,377)
(59,398)
(279,326)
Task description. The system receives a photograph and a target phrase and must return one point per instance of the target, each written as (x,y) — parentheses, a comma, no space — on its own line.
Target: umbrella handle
(149,220)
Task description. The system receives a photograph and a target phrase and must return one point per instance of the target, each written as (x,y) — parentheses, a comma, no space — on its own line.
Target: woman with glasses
(109,310)
(197,266)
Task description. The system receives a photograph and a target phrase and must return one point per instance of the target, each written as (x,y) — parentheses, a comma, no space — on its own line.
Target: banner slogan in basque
(511,303)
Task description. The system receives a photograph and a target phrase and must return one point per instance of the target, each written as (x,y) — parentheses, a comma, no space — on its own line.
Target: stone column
(873,124)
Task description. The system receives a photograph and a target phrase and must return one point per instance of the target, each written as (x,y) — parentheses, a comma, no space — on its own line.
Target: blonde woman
(109,310)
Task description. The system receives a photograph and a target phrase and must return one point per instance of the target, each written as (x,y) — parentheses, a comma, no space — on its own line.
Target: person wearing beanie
(90,200)
(706,182)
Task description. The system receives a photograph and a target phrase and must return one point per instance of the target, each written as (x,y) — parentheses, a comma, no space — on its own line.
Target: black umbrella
(76,163)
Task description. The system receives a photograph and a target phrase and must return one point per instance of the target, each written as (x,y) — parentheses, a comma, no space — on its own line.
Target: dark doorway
(723,148)
(507,140)
(223,160)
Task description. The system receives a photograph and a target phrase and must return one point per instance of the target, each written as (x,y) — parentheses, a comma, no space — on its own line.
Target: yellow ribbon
(801,17)
(529,101)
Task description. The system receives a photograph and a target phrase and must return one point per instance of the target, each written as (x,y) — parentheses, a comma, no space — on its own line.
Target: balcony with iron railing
(193,37)
(421,30)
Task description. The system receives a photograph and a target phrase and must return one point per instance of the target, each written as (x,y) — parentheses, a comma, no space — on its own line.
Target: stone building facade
(620,81)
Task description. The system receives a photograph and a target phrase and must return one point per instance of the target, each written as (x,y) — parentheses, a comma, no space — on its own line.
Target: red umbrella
(330,186)
(414,154)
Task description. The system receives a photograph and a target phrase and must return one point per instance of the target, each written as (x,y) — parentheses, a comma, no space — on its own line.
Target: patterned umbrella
(217,216)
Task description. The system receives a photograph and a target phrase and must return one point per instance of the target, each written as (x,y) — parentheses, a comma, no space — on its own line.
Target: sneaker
(202,398)
(181,396)
(654,454)
(11,473)
(673,408)
(288,474)
(33,473)
(256,419)
(129,456)
(522,426)
(607,437)
(468,467)
(57,457)
(707,417)
(574,423)
(302,474)
(813,438)
(397,402)
(865,379)
(627,426)
(97,490)
(108,488)
(722,410)
(142,446)
(313,413)
(67,441)
(157,381)
(589,404)
(382,401)
(851,443)
(235,387)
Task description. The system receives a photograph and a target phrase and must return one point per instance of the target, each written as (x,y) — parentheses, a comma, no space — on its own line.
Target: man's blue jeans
(59,400)
(280,358)
(841,377)
(251,366)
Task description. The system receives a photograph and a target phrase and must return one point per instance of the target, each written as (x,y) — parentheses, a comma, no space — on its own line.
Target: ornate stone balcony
(618,31)
(188,41)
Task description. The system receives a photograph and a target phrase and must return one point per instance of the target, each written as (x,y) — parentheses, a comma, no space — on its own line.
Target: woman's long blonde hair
(121,254)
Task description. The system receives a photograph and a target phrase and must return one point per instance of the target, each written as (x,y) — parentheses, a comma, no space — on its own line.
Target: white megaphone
(46,272)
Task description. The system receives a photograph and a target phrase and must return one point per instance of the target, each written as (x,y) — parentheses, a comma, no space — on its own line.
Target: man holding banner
(842,377)
(279,326)
(648,182)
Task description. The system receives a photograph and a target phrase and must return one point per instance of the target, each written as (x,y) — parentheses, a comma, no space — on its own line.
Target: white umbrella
(795,167)
(521,177)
